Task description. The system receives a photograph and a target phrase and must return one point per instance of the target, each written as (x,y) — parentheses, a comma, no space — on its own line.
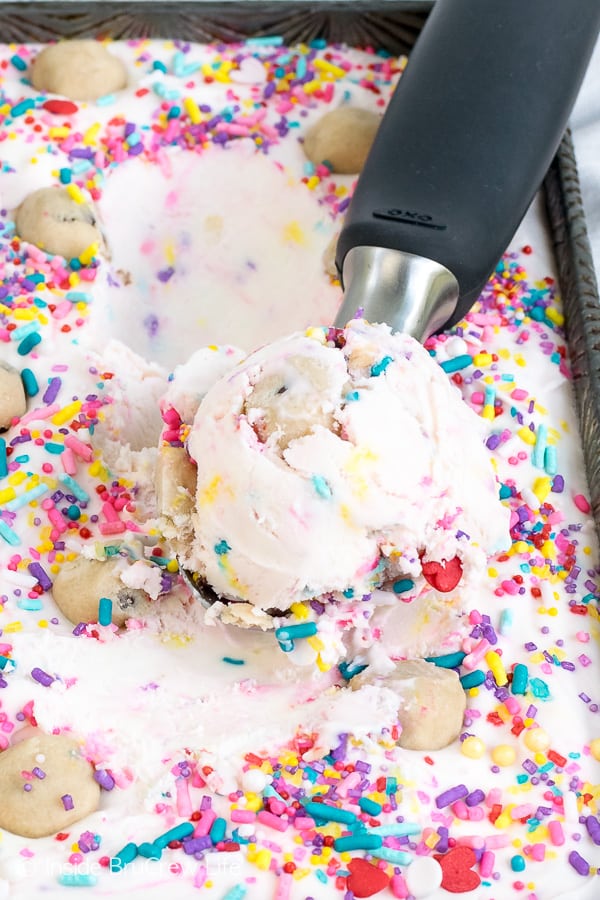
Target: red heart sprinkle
(458,876)
(60,107)
(364,879)
(443,576)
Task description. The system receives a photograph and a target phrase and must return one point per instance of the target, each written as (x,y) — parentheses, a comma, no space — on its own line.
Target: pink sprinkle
(67,459)
(581,503)
(112,527)
(556,833)
(398,887)
(486,865)
(62,310)
(79,448)
(267,818)
(303,823)
(583,637)
(200,876)
(520,812)
(242,815)
(284,886)
(538,852)
(184,803)
(205,823)
(497,841)
(476,655)
(518,394)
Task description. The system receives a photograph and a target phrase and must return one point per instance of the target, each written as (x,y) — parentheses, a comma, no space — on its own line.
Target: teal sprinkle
(555,358)
(310,774)
(521,779)
(236,893)
(106,100)
(234,662)
(105,607)
(26,497)
(74,488)
(222,548)
(10,536)
(133,139)
(269,791)
(81,166)
(301,67)
(391,785)
(291,632)
(174,112)
(348,593)
(321,876)
(398,857)
(519,679)
(507,378)
(3,459)
(489,396)
(371,807)
(286,646)
(351,396)
(327,813)
(309,168)
(73,512)
(78,297)
(75,264)
(157,65)
(65,176)
(178,833)
(217,831)
(472,679)
(456,363)
(54,448)
(550,460)
(318,44)
(29,604)
(19,63)
(266,40)
(349,670)
(448,660)
(77,879)
(123,857)
(506,621)
(403,585)
(401,829)
(149,851)
(539,449)
(19,109)
(539,688)
(381,366)
(24,458)
(360,841)
(517,863)
(28,343)
(321,486)
(24,331)
(547,767)
(5,661)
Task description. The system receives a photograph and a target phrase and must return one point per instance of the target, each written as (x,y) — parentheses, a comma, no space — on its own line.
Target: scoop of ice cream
(331,463)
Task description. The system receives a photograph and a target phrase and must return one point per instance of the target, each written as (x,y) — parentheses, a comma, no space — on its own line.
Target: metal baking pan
(393,25)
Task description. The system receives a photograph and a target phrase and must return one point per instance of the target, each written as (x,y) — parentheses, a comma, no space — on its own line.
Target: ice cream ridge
(286,611)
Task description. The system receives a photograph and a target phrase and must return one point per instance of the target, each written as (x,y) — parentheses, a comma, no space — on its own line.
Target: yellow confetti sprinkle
(192,109)
(496,665)
(67,413)
(526,435)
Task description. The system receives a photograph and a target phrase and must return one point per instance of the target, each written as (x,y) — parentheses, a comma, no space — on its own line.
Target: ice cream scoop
(447,180)
(451,172)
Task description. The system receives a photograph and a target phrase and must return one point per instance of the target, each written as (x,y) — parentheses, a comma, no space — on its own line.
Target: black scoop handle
(470,132)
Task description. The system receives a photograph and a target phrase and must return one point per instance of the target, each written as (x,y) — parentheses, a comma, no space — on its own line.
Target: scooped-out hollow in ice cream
(327,469)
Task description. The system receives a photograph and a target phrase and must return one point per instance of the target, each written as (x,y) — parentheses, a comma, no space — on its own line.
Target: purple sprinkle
(38,572)
(79,629)
(579,863)
(52,390)
(41,677)
(67,802)
(473,799)
(558,484)
(27,787)
(451,795)
(194,845)
(104,779)
(39,773)
(529,766)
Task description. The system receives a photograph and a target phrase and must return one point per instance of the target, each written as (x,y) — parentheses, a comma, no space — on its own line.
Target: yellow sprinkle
(191,108)
(322,65)
(43,623)
(17,478)
(526,435)
(315,643)
(74,279)
(321,665)
(312,182)
(542,486)
(497,667)
(67,413)
(172,566)
(555,315)
(488,412)
(209,494)
(7,494)
(74,192)
(482,359)
(88,254)
(300,610)
(12,627)
(58,131)
(293,233)
(91,134)
(263,859)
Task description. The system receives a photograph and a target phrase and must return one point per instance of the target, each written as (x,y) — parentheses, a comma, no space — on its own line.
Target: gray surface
(585,126)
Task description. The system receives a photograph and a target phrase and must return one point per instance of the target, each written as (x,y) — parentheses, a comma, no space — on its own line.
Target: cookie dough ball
(287,404)
(46,786)
(81,583)
(176,477)
(13,401)
(52,220)
(342,139)
(79,70)
(432,702)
